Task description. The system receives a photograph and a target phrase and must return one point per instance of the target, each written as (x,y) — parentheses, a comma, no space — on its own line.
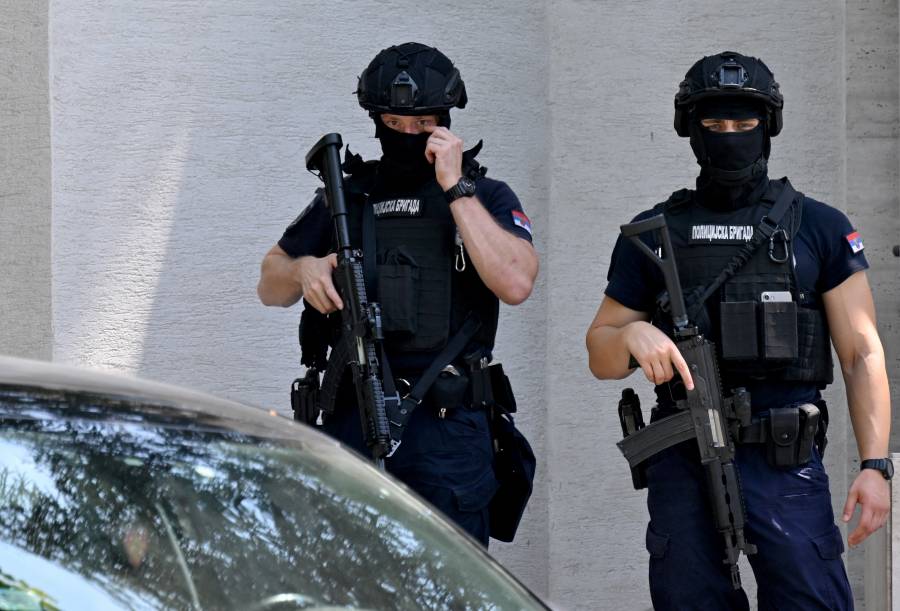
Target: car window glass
(147,514)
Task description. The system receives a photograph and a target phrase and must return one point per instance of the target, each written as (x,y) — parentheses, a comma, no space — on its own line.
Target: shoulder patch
(520,219)
(855,241)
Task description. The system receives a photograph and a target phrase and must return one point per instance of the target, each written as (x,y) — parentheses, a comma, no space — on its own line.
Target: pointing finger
(682,367)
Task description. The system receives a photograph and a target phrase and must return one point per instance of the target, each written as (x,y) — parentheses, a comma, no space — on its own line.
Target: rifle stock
(705,414)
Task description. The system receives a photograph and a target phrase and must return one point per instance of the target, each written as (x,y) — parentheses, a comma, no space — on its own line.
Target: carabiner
(784,244)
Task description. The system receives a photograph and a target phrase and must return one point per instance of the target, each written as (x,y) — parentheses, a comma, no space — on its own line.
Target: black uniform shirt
(310,233)
(824,258)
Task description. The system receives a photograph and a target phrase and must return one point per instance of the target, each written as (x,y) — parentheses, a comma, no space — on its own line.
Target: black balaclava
(733,166)
(403,155)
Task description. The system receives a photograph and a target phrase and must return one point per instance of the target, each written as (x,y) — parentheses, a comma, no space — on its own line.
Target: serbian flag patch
(855,241)
(520,220)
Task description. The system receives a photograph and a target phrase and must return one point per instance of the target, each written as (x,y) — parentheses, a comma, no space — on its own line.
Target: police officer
(450,243)
(771,322)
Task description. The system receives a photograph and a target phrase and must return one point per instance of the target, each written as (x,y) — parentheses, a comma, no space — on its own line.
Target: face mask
(735,158)
(400,148)
(729,158)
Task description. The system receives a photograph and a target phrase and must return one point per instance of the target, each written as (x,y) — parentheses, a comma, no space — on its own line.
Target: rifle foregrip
(359,283)
(381,428)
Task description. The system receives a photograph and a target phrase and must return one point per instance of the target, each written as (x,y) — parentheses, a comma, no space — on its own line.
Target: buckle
(767,227)
(404,387)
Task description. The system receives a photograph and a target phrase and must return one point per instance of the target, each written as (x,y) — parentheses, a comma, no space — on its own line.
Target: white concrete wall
(873,161)
(178,135)
(24,181)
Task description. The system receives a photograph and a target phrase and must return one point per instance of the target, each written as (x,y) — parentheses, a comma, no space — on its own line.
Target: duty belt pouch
(779,330)
(784,431)
(448,391)
(514,467)
(632,420)
(792,433)
(305,398)
(809,422)
(501,389)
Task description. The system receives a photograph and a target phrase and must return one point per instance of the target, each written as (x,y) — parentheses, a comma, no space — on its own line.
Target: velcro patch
(521,220)
(398,208)
(855,241)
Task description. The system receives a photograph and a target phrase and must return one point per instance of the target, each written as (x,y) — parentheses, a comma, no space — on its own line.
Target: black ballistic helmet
(724,75)
(411,79)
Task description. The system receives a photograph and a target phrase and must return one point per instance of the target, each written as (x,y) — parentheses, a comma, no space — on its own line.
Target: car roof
(141,393)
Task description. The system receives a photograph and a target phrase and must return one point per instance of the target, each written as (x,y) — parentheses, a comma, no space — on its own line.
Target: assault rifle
(360,319)
(705,415)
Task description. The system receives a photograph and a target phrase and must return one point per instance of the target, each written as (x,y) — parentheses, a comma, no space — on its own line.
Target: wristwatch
(879,464)
(464,188)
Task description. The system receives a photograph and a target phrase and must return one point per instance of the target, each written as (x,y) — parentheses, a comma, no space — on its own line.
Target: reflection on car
(122,494)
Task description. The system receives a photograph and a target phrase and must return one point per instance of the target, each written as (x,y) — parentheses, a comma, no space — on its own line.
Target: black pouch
(779,330)
(809,428)
(514,467)
(784,430)
(305,398)
(448,391)
(632,420)
(398,279)
(792,434)
(501,388)
(738,330)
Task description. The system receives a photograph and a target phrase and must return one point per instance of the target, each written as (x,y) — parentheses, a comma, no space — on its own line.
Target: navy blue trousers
(788,517)
(447,461)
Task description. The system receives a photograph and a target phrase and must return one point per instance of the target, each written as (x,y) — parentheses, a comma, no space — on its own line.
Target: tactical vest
(763,326)
(426,285)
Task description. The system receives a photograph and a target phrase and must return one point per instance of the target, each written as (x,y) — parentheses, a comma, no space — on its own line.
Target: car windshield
(102,508)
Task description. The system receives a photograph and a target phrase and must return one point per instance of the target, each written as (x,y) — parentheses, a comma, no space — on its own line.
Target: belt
(757,432)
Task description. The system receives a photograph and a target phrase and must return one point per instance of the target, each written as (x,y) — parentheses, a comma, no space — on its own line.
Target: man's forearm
(506,263)
(868,395)
(607,352)
(278,285)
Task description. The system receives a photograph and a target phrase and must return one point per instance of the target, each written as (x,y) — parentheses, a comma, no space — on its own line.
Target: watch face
(467,185)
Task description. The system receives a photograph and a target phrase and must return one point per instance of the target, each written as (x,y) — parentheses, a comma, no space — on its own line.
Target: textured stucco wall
(179,131)
(24,181)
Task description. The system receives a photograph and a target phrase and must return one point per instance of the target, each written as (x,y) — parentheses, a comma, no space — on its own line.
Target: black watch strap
(884,465)
(465,187)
